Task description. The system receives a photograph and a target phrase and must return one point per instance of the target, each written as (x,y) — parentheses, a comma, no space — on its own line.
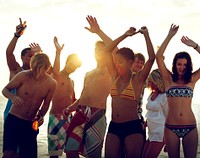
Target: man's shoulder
(91,72)
(14,72)
(51,80)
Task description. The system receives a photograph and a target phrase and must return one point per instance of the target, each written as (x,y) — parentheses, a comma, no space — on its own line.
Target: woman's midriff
(124,110)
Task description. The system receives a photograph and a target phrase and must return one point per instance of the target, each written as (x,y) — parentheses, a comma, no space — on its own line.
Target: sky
(66,19)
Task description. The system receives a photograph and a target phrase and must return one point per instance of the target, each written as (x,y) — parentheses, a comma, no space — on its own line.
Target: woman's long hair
(39,64)
(188,72)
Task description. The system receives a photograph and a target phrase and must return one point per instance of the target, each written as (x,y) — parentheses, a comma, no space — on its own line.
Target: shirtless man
(26,56)
(91,104)
(138,65)
(34,91)
(64,96)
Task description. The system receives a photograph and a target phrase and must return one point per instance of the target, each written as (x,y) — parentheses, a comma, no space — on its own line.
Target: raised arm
(56,66)
(13,66)
(189,42)
(148,65)
(132,31)
(109,49)
(35,47)
(94,28)
(159,55)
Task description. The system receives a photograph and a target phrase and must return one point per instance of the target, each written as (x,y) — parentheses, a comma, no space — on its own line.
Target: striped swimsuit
(127,93)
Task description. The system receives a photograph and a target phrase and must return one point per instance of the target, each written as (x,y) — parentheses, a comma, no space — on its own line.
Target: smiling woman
(66,19)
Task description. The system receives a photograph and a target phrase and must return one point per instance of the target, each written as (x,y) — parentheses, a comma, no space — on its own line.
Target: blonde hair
(39,64)
(156,78)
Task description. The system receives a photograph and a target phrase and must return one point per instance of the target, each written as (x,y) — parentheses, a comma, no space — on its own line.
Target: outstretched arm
(148,65)
(189,42)
(56,66)
(13,66)
(159,55)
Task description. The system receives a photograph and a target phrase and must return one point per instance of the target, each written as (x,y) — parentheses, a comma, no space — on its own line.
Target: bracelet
(196,46)
(17,35)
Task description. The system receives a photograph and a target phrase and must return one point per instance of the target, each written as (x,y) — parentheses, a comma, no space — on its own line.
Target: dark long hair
(188,72)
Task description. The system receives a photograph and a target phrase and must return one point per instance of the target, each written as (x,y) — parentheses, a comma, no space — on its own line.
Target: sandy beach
(42,137)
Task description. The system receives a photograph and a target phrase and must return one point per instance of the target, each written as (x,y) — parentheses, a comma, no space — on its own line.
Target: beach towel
(86,133)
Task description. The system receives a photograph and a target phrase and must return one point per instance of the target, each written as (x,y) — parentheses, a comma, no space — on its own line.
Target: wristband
(196,46)
(16,35)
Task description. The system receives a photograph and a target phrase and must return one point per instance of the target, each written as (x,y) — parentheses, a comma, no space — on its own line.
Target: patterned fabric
(57,128)
(179,92)
(181,130)
(86,133)
(127,93)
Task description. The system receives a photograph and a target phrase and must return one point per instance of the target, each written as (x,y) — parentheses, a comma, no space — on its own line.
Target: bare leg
(190,143)
(134,145)
(112,146)
(172,143)
(145,148)
(154,149)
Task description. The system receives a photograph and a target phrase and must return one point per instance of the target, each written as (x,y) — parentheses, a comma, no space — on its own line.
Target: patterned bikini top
(179,92)
(127,93)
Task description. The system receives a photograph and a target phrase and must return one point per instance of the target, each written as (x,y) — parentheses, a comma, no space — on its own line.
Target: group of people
(78,126)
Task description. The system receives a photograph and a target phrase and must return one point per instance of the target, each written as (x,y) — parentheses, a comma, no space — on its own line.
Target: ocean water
(42,137)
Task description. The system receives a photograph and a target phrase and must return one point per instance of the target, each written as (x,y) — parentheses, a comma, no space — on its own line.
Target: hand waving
(57,45)
(187,41)
(94,26)
(173,30)
(35,47)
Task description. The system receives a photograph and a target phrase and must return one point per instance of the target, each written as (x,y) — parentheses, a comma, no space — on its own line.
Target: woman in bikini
(125,131)
(179,86)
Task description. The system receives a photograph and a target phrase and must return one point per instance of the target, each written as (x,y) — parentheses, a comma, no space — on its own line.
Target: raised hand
(143,30)
(20,28)
(35,48)
(132,31)
(173,30)
(187,41)
(94,26)
(57,45)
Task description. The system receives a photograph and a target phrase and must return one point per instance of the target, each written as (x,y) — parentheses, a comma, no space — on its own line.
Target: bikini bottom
(180,130)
